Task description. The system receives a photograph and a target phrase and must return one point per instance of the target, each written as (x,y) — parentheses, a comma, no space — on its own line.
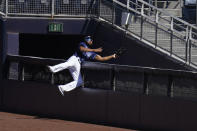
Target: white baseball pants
(74,66)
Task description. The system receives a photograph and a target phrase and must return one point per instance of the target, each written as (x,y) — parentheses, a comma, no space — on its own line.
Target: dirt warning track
(18,122)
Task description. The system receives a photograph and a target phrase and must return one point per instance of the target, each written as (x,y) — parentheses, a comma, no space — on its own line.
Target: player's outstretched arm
(100,58)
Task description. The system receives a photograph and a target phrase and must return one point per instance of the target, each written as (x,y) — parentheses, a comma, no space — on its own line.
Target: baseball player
(73,64)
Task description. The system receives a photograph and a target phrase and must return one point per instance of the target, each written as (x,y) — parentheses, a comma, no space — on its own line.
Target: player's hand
(114,56)
(98,50)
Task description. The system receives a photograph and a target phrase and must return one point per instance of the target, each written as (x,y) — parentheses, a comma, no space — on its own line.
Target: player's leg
(76,74)
(62,66)
(77,79)
(72,85)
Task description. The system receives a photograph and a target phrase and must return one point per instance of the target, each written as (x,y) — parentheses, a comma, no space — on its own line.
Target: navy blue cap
(88,38)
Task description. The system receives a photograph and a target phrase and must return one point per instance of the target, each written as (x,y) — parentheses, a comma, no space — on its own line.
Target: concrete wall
(40,26)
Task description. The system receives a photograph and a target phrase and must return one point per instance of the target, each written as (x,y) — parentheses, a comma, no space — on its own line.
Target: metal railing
(2,7)
(48,8)
(140,80)
(155,27)
(138,18)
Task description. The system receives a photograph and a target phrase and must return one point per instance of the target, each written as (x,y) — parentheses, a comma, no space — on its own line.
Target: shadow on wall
(48,46)
(138,54)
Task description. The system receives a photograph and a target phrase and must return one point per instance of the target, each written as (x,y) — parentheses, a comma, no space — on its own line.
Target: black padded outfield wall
(125,96)
(122,109)
(1,46)
(2,56)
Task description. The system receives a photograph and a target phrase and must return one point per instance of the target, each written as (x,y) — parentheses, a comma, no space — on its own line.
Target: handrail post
(188,37)
(156,27)
(190,33)
(128,2)
(157,17)
(155,3)
(53,8)
(189,46)
(6,8)
(99,8)
(187,33)
(189,42)
(136,3)
(172,24)
(142,14)
(113,12)
(142,9)
(171,34)
(128,15)
(149,8)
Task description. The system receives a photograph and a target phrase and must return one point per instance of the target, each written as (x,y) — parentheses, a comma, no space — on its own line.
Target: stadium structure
(152,86)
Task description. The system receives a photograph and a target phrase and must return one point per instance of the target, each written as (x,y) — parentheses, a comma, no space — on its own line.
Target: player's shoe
(61,91)
(49,68)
